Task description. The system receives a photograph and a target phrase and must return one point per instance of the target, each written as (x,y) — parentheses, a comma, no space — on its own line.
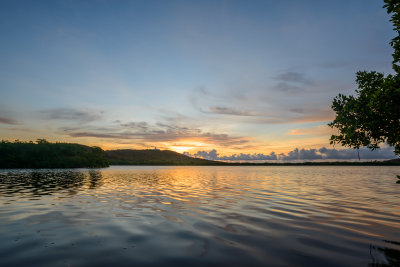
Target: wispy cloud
(283,99)
(10,121)
(228,111)
(142,125)
(70,114)
(294,77)
(159,132)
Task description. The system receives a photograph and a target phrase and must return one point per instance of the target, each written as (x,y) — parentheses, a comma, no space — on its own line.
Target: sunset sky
(234,76)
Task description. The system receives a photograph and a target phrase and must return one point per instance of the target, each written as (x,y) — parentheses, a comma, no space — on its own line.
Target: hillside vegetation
(153,157)
(43,154)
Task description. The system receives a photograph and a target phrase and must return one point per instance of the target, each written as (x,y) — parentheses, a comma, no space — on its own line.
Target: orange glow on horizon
(254,146)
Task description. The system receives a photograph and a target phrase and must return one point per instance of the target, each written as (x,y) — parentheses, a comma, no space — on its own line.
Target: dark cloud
(8,121)
(228,111)
(297,110)
(173,128)
(293,77)
(292,82)
(70,114)
(21,129)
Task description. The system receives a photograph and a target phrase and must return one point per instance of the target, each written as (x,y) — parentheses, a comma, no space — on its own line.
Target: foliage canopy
(372,115)
(43,154)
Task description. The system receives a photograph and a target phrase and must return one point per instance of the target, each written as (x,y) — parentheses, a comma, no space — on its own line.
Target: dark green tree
(44,154)
(372,115)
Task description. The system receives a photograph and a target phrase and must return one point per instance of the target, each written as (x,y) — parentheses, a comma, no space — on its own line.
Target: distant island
(43,154)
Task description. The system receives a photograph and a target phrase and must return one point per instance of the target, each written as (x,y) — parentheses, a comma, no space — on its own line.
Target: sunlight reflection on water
(200,216)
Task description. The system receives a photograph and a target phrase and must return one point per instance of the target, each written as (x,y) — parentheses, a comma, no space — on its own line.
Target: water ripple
(253,216)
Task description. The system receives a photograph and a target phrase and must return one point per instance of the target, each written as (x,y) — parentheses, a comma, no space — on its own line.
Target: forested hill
(153,157)
(43,154)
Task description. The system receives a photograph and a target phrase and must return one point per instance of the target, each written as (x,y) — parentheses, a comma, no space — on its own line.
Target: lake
(201,216)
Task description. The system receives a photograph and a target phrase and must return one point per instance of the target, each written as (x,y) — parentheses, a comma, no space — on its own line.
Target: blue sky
(237,76)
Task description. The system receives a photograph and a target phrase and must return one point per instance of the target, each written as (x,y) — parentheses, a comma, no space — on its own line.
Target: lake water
(200,216)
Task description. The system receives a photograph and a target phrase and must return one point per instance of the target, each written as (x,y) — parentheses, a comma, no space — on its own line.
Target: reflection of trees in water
(48,182)
(391,255)
(95,179)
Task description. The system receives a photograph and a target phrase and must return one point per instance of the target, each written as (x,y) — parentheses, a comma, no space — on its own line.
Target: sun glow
(181,147)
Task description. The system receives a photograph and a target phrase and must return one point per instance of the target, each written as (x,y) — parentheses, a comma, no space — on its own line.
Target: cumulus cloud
(213,155)
(335,154)
(365,153)
(5,120)
(303,155)
(70,114)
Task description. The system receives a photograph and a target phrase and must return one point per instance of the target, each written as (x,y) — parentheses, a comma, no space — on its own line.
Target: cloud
(293,77)
(21,129)
(228,111)
(70,114)
(159,132)
(290,97)
(213,155)
(135,125)
(334,154)
(8,121)
(365,153)
(303,155)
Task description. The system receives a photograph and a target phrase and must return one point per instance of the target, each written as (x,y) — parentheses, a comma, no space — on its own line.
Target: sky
(237,77)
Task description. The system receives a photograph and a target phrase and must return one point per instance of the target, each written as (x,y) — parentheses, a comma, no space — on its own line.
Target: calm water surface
(188,216)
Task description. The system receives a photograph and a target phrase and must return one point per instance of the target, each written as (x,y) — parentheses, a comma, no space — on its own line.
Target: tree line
(43,154)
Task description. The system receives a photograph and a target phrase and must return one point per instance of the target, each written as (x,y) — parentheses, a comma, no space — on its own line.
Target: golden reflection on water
(256,214)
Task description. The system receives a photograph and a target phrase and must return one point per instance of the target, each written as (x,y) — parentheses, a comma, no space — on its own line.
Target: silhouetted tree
(372,115)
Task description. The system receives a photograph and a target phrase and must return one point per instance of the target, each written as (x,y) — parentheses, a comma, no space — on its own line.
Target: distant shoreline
(46,155)
(338,164)
(333,163)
